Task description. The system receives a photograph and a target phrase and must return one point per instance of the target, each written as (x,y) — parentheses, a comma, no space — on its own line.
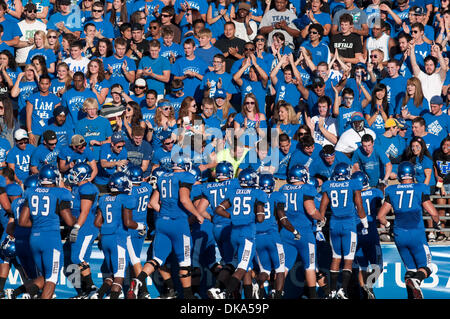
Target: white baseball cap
(20,134)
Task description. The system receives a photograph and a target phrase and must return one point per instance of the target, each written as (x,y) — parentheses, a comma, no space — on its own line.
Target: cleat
(133,292)
(94,296)
(332,295)
(145,295)
(168,294)
(255,291)
(27,296)
(214,293)
(414,285)
(341,294)
(9,294)
(431,237)
(369,292)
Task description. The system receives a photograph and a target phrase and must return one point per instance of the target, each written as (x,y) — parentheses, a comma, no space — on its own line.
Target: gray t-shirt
(273,16)
(359,17)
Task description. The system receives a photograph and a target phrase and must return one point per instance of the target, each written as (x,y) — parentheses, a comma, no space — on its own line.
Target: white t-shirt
(347,143)
(80,65)
(330,126)
(273,16)
(431,84)
(241,31)
(28,31)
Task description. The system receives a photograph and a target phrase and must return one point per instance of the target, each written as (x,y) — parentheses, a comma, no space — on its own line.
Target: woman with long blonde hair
(284,118)
(250,124)
(164,121)
(223,106)
(42,47)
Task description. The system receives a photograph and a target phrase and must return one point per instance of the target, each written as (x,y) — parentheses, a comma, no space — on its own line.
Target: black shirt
(223,44)
(347,45)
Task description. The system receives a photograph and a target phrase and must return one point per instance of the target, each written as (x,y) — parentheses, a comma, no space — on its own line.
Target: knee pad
(154,263)
(84,266)
(427,270)
(230,268)
(409,274)
(188,273)
(320,274)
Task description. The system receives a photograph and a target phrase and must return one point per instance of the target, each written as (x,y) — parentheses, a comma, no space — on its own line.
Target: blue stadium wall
(390,285)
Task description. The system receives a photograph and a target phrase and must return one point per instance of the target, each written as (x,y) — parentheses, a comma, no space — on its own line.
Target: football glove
(296,235)
(321,223)
(320,236)
(74,233)
(142,229)
(365,231)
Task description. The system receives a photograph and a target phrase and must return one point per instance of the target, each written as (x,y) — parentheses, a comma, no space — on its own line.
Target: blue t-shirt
(191,85)
(43,107)
(437,125)
(158,66)
(107,154)
(64,132)
(48,55)
(42,156)
(372,165)
(21,160)
(73,100)
(98,129)
(117,75)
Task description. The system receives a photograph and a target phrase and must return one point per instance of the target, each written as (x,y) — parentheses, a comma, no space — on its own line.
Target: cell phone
(186,119)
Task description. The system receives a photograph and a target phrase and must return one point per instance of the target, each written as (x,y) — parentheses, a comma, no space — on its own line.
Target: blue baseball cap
(220,94)
(436,100)
(117,137)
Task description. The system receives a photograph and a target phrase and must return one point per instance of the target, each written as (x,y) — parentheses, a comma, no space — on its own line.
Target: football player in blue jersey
(213,194)
(269,247)
(7,222)
(245,203)
(204,244)
(42,210)
(114,218)
(368,250)
(141,191)
(343,194)
(172,201)
(407,200)
(82,235)
(26,267)
(301,212)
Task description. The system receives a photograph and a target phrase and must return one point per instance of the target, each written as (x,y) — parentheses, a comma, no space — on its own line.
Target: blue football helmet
(8,247)
(31,181)
(342,172)
(248,177)
(224,170)
(266,182)
(197,173)
(406,170)
(135,174)
(119,182)
(48,174)
(181,162)
(79,173)
(362,177)
(298,173)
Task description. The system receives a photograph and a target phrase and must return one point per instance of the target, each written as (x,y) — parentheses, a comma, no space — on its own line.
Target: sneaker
(133,292)
(369,292)
(414,285)
(215,293)
(341,294)
(168,294)
(9,294)
(431,237)
(27,296)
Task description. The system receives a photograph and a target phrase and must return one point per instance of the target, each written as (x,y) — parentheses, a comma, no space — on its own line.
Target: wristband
(284,217)
(364,222)
(140,226)
(220,205)
(295,232)
(76,226)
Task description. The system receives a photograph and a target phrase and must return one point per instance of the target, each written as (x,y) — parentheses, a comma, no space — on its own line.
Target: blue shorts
(413,248)
(204,245)
(81,249)
(305,247)
(24,257)
(222,235)
(172,234)
(368,249)
(243,242)
(47,250)
(114,249)
(270,252)
(343,238)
